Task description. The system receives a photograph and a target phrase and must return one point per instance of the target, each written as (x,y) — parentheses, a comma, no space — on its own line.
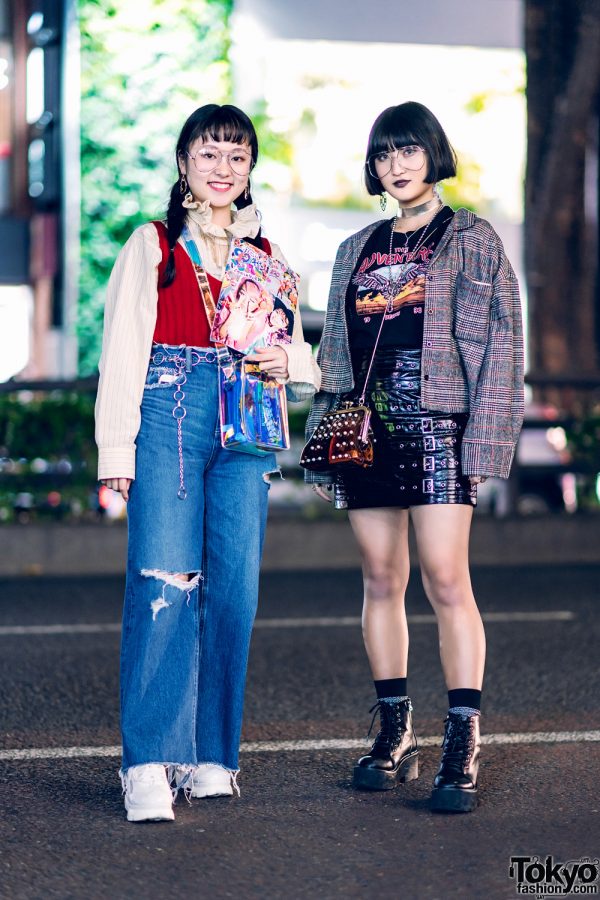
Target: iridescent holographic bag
(252,410)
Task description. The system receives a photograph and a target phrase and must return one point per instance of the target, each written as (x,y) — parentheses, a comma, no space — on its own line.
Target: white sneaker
(210,780)
(147,794)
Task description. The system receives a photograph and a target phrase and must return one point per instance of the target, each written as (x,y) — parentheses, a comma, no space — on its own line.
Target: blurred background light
(16,304)
(35,23)
(35,85)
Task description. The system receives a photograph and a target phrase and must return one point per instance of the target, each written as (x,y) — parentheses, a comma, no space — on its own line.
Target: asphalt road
(299,830)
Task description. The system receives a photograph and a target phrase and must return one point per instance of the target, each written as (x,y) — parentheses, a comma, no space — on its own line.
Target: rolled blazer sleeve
(129,321)
(496,410)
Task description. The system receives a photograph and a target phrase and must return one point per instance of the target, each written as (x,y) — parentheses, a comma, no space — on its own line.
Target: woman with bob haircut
(446,395)
(196,511)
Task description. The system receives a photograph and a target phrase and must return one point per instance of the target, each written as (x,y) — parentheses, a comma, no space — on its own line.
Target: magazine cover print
(257,303)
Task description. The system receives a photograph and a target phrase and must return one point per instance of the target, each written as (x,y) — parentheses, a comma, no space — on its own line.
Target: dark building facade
(33,52)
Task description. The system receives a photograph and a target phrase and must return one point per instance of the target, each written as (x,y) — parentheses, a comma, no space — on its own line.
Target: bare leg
(443,542)
(382,536)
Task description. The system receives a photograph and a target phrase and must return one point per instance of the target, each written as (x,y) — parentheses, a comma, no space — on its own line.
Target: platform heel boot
(455,785)
(394,756)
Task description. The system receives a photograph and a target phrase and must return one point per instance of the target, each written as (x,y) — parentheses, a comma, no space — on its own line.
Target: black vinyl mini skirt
(417,451)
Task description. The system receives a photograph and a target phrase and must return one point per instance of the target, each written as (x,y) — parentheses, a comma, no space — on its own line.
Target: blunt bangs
(219,123)
(224,125)
(411,123)
(391,131)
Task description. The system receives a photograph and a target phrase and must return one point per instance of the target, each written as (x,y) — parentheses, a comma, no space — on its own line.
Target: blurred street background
(92,97)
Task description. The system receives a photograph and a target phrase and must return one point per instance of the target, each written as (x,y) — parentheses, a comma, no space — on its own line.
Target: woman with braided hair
(196,511)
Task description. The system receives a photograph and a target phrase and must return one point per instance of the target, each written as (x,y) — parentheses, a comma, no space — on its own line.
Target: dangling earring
(183,185)
(246,193)
(383,201)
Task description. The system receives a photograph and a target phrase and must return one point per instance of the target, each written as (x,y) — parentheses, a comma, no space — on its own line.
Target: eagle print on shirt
(406,285)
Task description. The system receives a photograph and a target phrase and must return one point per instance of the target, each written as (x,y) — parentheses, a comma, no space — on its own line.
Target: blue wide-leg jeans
(197,515)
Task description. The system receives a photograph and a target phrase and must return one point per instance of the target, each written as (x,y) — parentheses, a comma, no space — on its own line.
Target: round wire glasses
(412,157)
(208,158)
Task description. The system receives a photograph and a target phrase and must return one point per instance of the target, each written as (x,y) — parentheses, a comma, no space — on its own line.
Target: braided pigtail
(176,214)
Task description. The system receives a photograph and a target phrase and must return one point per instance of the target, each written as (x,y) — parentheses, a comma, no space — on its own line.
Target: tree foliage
(145,68)
(563,86)
(53,427)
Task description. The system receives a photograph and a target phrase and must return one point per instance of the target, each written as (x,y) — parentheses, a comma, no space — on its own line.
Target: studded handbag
(342,436)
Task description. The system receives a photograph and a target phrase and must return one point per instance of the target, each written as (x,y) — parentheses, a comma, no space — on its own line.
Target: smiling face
(251,297)
(221,185)
(407,185)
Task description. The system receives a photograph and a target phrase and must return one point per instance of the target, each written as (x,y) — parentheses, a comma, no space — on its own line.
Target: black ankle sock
(391,687)
(464,697)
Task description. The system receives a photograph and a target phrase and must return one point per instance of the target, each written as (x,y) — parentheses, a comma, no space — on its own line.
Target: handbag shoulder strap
(191,246)
(202,278)
(363,395)
(223,353)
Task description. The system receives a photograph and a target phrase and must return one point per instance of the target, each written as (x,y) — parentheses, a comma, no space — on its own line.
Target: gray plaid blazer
(472,342)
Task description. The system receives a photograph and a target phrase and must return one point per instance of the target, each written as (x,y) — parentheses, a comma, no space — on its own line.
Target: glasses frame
(370,164)
(222,156)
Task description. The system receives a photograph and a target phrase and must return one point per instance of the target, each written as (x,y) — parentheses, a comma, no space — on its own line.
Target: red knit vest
(180,316)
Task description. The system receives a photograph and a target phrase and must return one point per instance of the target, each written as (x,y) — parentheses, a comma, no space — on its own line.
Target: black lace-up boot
(394,757)
(455,785)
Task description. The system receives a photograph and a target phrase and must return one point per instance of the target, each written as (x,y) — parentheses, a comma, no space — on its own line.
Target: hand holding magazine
(257,303)
(256,308)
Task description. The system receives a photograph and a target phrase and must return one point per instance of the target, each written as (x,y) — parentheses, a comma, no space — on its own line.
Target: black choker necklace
(409,211)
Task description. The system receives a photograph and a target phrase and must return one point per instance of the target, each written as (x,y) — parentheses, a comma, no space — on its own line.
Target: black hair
(216,123)
(411,123)
(245,280)
(278,304)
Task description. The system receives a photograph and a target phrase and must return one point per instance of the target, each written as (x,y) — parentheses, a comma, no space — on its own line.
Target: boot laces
(392,725)
(458,743)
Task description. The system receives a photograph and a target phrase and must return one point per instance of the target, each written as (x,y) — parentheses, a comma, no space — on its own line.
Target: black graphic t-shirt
(367,293)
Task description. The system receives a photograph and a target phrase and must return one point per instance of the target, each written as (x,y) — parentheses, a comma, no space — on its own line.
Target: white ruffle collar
(246,222)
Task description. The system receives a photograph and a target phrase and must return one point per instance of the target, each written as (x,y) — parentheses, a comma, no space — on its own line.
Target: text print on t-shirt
(408,271)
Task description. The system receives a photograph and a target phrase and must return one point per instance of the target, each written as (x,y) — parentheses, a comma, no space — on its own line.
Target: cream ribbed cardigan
(129,322)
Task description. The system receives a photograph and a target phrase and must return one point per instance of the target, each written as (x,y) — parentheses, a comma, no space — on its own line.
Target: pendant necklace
(392,285)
